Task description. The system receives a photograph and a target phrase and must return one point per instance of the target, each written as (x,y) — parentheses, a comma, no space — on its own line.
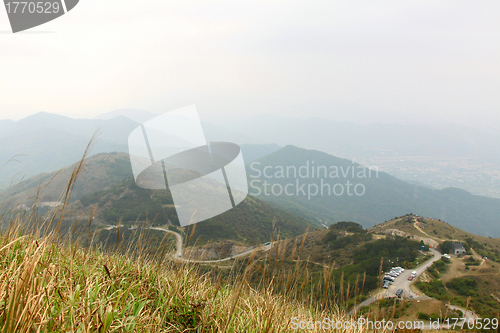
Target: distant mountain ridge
(384,197)
(108,182)
(343,138)
(45,142)
(250,222)
(139,116)
(50,142)
(100,171)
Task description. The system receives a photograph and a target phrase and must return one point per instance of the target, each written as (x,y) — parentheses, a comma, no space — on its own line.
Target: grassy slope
(100,171)
(487,274)
(441,231)
(250,222)
(51,287)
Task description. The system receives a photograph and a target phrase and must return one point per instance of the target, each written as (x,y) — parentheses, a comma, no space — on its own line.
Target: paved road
(179,249)
(469,315)
(401,282)
(178,243)
(242,254)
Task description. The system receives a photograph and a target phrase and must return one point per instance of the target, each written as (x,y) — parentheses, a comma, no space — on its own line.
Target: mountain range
(50,142)
(435,156)
(345,139)
(46,142)
(379,196)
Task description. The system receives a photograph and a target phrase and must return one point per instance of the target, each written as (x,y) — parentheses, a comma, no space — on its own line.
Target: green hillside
(50,285)
(348,256)
(379,196)
(441,233)
(471,278)
(250,222)
(100,171)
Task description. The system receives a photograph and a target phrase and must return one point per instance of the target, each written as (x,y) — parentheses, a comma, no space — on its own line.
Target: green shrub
(446,246)
(423,316)
(434,288)
(434,317)
(472,263)
(465,286)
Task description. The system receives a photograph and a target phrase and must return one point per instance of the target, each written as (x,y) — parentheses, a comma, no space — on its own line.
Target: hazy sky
(365,61)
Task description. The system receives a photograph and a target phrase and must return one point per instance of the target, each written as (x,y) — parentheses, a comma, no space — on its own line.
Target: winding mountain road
(178,241)
(401,282)
(179,249)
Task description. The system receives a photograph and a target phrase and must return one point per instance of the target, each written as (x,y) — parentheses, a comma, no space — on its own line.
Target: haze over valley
(250,166)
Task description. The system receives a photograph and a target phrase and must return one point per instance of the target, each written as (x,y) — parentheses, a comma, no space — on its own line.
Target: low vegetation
(472,292)
(49,282)
(464,286)
(250,222)
(438,267)
(49,286)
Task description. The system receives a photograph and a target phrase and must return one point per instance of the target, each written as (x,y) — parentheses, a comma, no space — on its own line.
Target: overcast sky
(364,61)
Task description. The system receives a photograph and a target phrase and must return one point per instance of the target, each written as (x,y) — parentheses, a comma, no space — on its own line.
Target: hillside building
(458,248)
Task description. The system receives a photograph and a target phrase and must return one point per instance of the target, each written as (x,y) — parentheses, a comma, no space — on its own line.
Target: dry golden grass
(48,283)
(52,287)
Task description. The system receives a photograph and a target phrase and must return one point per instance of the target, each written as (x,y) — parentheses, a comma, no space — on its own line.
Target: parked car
(389,278)
(387,284)
(410,278)
(399,293)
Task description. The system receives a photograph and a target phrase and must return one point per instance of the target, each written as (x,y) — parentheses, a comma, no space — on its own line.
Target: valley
(379,196)
(293,235)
